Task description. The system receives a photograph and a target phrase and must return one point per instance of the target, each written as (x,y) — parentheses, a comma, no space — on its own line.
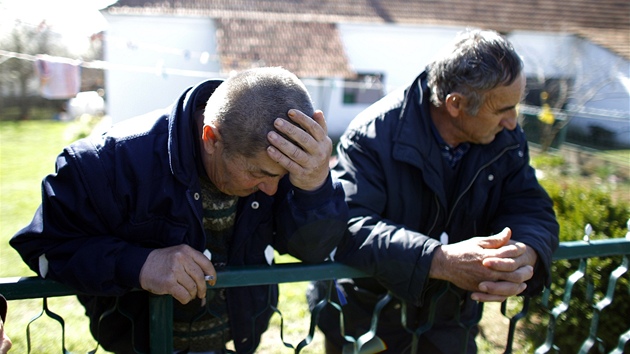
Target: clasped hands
(493,268)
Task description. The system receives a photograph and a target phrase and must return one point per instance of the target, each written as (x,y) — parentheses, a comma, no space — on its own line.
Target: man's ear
(210,137)
(454,103)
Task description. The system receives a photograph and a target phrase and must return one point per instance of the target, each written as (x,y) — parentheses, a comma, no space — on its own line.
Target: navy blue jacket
(391,169)
(114,198)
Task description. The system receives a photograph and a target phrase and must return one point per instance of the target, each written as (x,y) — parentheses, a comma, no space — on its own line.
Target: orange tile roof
(308,49)
(604,22)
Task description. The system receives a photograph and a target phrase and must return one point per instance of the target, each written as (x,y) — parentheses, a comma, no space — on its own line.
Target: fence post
(161,324)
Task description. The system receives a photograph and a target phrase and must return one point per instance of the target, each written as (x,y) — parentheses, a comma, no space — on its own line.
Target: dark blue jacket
(391,168)
(114,198)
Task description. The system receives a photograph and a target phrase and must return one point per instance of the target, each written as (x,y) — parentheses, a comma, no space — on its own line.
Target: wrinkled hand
(493,267)
(307,162)
(178,271)
(514,257)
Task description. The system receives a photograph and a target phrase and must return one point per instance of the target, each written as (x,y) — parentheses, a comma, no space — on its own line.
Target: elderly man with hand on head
(232,171)
(443,203)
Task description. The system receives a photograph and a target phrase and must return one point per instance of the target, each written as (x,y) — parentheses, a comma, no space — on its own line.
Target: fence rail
(161,306)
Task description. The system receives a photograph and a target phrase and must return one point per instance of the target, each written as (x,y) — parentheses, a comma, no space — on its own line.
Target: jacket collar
(181,146)
(413,139)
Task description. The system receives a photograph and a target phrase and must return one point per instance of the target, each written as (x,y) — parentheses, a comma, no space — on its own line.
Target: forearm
(399,259)
(313,223)
(100,265)
(97,266)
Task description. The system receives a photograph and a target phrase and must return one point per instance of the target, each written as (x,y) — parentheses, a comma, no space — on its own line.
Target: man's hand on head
(306,155)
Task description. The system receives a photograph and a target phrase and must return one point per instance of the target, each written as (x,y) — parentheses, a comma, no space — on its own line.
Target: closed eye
(506,109)
(263,174)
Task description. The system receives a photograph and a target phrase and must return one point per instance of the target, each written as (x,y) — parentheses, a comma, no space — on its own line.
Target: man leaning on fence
(231,171)
(443,203)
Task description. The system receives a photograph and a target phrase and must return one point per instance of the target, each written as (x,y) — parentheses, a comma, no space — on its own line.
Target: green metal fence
(556,310)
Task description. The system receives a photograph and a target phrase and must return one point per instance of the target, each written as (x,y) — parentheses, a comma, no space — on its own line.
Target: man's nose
(269,187)
(509,122)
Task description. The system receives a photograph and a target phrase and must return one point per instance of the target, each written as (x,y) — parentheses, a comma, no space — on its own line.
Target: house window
(364,88)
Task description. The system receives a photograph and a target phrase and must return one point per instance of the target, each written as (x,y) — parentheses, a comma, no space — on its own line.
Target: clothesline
(122,42)
(104,65)
(161,70)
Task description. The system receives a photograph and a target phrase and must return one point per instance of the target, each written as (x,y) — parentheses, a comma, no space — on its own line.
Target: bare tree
(17,74)
(577,75)
(587,86)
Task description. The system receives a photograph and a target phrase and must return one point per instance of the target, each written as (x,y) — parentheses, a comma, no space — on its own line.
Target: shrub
(577,205)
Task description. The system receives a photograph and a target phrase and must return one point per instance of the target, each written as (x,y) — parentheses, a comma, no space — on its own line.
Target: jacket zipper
(472,181)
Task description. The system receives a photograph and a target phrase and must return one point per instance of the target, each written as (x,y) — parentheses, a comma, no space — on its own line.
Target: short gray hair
(245,106)
(478,61)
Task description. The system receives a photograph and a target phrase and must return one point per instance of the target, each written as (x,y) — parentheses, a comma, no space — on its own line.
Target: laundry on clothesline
(58,79)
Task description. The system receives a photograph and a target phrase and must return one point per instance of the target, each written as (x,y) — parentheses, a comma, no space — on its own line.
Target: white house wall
(400,52)
(599,69)
(600,93)
(602,96)
(545,55)
(153,59)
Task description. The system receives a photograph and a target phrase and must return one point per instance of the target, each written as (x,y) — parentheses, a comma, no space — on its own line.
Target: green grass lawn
(27,153)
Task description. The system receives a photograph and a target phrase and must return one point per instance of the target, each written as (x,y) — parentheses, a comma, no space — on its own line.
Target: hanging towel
(58,79)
